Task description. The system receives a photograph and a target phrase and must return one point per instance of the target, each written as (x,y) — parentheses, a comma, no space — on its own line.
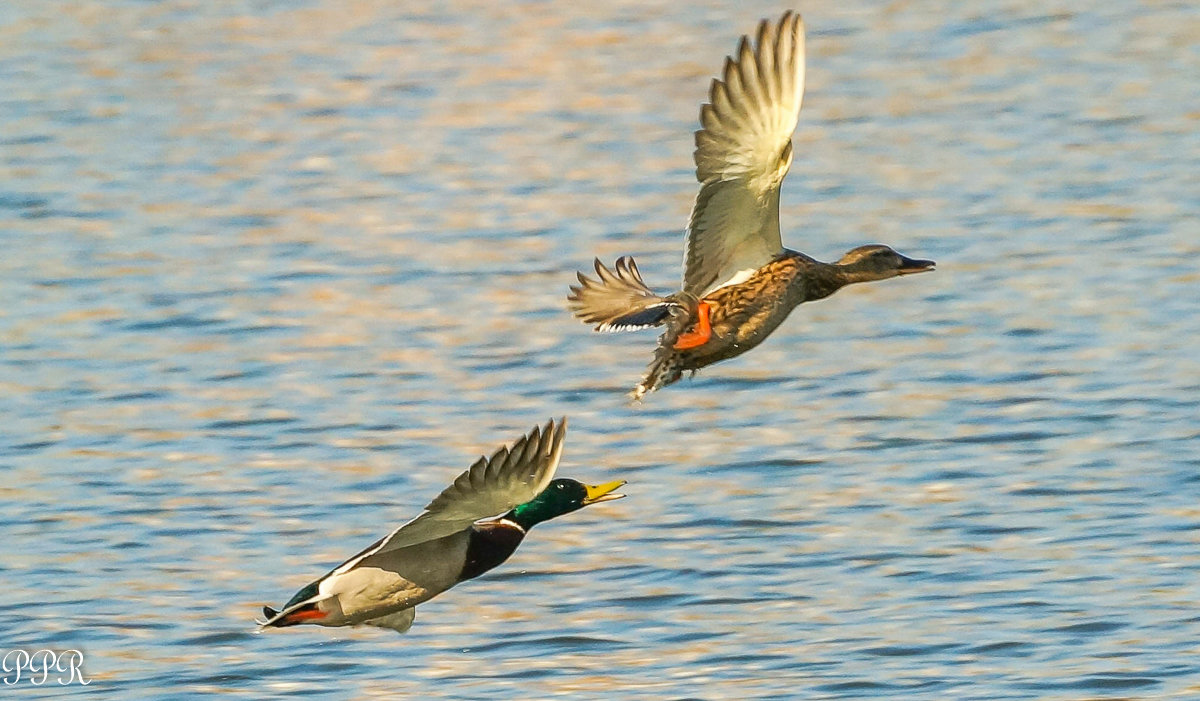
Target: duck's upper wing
(742,154)
(513,475)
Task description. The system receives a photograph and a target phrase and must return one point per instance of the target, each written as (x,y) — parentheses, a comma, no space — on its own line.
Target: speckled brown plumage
(741,315)
(739,282)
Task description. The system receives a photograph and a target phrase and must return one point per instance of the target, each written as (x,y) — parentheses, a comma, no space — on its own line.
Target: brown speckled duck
(739,282)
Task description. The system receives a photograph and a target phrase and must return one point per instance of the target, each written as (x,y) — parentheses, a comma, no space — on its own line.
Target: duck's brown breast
(743,315)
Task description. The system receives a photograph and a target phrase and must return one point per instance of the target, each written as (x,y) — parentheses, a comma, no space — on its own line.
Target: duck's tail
(667,366)
(302,608)
(291,615)
(618,300)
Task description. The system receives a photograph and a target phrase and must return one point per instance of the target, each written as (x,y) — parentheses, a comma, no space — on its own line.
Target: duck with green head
(459,536)
(739,282)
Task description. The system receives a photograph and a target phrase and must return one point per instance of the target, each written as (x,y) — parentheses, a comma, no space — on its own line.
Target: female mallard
(457,537)
(739,282)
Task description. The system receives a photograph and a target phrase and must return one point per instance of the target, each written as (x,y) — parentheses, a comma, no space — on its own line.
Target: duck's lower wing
(400,621)
(617,299)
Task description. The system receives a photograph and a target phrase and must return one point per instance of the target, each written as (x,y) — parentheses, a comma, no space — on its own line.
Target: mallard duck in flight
(739,282)
(473,525)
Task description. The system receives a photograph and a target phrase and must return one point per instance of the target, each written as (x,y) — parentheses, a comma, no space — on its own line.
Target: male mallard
(739,282)
(457,537)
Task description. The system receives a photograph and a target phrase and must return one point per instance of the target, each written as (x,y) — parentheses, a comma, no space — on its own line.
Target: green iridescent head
(562,496)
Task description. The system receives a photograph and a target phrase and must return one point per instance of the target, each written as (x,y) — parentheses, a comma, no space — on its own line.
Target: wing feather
(491,486)
(743,151)
(618,299)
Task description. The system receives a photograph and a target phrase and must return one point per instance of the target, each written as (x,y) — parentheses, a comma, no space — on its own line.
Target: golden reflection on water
(278,273)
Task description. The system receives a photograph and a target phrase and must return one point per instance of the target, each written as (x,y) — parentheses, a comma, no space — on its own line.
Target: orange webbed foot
(700,334)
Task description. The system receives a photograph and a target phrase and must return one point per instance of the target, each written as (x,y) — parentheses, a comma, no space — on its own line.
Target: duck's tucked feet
(700,334)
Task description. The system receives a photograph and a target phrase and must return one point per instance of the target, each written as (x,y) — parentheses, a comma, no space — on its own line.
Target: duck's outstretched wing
(618,299)
(742,154)
(513,475)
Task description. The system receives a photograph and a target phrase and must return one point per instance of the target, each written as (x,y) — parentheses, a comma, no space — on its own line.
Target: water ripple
(275,273)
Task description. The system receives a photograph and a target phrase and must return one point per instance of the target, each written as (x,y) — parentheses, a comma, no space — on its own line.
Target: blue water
(275,272)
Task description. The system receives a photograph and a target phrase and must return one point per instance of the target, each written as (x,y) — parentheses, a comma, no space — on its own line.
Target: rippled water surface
(274,272)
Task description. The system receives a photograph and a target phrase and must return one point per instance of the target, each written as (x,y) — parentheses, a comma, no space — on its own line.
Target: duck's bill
(602,492)
(908,266)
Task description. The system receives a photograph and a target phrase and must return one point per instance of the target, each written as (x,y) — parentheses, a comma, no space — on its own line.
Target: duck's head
(879,262)
(562,496)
